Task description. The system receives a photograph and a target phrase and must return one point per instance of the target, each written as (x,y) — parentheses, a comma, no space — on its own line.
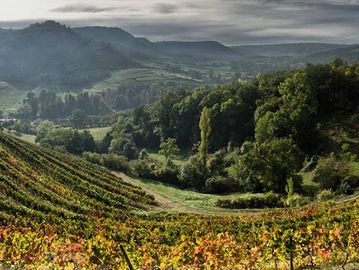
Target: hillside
(59,212)
(196,49)
(61,59)
(349,54)
(121,40)
(291,50)
(11,98)
(52,55)
(45,184)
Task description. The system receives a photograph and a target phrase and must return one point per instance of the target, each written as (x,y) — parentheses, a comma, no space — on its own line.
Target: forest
(291,135)
(250,136)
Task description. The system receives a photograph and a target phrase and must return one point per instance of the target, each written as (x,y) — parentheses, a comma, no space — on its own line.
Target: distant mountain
(52,55)
(120,40)
(291,50)
(349,54)
(199,49)
(61,58)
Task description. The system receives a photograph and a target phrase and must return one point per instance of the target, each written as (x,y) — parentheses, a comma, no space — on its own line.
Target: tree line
(48,105)
(245,136)
(258,132)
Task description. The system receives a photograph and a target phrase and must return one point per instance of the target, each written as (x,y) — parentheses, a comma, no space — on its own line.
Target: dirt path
(164,202)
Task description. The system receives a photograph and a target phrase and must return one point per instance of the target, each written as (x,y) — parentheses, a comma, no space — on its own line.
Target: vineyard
(59,212)
(42,183)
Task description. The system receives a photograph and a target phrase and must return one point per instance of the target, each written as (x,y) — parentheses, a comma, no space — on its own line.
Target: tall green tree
(267,166)
(205,127)
(169,149)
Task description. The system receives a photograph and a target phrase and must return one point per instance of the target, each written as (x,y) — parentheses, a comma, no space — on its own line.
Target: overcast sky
(228,21)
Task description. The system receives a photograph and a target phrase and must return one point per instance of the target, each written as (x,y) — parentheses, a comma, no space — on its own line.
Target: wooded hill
(52,55)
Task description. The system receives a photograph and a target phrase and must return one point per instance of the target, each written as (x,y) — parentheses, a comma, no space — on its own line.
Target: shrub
(191,174)
(346,154)
(218,184)
(156,170)
(72,141)
(144,168)
(269,200)
(268,165)
(125,147)
(130,150)
(143,154)
(353,181)
(115,162)
(330,172)
(110,161)
(296,200)
(325,195)
(167,174)
(217,163)
(92,157)
(344,188)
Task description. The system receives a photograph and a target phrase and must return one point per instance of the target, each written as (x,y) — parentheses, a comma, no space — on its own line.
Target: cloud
(227,21)
(347,5)
(165,8)
(81,8)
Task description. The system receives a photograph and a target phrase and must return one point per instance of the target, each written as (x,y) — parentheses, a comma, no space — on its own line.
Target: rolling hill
(59,212)
(290,50)
(137,48)
(208,49)
(41,183)
(11,97)
(63,59)
(349,54)
(52,55)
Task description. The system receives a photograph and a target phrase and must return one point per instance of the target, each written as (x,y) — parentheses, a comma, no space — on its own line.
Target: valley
(126,152)
(56,193)
(125,62)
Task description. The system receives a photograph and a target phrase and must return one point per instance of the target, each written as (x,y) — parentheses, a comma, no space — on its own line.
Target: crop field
(60,212)
(39,181)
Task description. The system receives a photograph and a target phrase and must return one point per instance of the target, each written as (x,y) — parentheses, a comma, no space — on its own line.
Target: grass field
(10,98)
(172,198)
(179,160)
(130,76)
(28,138)
(99,133)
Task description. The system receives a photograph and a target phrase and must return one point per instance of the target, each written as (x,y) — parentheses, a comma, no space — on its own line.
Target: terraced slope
(38,182)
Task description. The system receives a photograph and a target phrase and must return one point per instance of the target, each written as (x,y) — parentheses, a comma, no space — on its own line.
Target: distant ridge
(349,54)
(52,55)
(202,48)
(47,26)
(290,49)
(61,58)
